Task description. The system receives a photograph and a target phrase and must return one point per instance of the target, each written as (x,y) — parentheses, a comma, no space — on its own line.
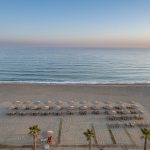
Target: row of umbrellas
(72,105)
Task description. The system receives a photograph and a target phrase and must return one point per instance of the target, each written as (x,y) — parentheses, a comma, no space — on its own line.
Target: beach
(68,130)
(77,92)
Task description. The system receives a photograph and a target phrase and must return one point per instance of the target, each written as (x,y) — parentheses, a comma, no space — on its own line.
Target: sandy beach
(77,92)
(68,130)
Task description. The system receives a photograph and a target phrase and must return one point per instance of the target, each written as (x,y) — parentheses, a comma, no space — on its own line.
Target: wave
(74,82)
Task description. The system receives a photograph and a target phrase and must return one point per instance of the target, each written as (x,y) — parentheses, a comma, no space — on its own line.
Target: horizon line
(78,44)
(75,46)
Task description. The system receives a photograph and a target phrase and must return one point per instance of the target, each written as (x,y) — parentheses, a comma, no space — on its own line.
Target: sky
(75,23)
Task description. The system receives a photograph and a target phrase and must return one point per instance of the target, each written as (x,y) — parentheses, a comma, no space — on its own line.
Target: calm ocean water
(66,65)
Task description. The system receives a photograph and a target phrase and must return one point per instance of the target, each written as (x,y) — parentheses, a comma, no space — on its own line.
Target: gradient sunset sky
(75,23)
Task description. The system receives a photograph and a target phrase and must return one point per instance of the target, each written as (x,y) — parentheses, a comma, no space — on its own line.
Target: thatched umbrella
(108,106)
(134,106)
(49,102)
(34,107)
(12,107)
(71,102)
(59,102)
(83,102)
(22,107)
(83,109)
(46,107)
(71,109)
(113,112)
(108,102)
(37,102)
(132,102)
(95,109)
(17,102)
(28,104)
(57,110)
(96,102)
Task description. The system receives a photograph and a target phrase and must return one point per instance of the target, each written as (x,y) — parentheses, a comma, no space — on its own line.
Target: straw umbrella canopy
(72,107)
(83,102)
(126,111)
(46,107)
(34,107)
(37,102)
(134,106)
(58,107)
(59,102)
(48,102)
(113,112)
(17,102)
(119,105)
(83,107)
(96,102)
(57,110)
(132,102)
(108,106)
(71,102)
(141,112)
(22,107)
(95,107)
(12,107)
(108,102)
(28,103)
(37,105)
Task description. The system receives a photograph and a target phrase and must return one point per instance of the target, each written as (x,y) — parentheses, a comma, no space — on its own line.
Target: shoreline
(72,84)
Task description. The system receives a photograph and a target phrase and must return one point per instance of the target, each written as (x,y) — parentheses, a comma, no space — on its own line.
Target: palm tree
(89,134)
(34,131)
(146,135)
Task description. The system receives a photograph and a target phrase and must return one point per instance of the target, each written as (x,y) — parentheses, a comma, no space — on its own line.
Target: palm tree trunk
(145,143)
(90,144)
(34,142)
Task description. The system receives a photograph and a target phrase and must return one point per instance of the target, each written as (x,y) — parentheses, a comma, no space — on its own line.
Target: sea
(74,65)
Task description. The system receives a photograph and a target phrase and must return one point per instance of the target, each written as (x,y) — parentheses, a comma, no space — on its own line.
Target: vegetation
(89,134)
(34,131)
(146,136)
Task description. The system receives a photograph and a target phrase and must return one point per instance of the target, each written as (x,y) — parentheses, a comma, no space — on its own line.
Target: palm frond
(89,133)
(34,130)
(145,132)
